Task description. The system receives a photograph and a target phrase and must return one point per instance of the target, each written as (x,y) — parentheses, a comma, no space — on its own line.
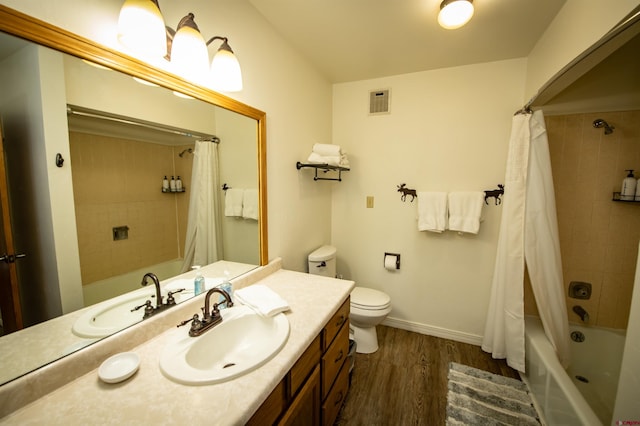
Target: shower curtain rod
(72,110)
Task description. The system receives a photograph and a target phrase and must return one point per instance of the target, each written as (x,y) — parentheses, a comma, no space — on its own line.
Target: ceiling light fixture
(185,48)
(455,13)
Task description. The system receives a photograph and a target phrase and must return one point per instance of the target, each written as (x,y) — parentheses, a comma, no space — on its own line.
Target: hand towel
(432,211)
(465,210)
(327,150)
(261,299)
(233,202)
(314,157)
(250,204)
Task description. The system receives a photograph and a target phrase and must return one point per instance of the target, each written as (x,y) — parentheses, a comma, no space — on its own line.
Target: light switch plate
(369,201)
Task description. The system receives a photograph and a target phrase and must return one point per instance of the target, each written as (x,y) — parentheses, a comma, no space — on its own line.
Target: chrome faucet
(582,313)
(209,319)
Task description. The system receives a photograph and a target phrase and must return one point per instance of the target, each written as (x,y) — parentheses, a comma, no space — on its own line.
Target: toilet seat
(369,299)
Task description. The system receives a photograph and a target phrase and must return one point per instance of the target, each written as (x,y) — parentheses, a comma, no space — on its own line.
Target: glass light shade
(189,56)
(225,71)
(455,14)
(141,28)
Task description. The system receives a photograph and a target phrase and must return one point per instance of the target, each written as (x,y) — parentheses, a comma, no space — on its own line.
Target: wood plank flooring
(405,381)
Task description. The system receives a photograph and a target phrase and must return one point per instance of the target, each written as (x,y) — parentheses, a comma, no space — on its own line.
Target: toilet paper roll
(390,262)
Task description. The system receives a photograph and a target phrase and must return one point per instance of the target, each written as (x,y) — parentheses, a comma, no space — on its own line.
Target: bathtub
(584,394)
(108,288)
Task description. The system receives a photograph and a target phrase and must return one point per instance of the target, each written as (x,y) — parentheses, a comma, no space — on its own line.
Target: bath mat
(479,397)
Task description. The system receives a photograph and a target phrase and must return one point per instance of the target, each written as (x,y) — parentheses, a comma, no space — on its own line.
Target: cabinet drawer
(304,366)
(335,323)
(336,397)
(334,359)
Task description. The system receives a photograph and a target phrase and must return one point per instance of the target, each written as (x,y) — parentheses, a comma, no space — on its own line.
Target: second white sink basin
(242,342)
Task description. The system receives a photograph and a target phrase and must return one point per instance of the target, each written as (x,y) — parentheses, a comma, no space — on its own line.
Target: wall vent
(379,102)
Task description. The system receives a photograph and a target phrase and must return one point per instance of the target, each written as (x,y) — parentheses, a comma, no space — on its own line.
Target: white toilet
(369,307)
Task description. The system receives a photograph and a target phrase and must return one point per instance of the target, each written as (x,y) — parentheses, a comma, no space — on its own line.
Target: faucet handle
(172,300)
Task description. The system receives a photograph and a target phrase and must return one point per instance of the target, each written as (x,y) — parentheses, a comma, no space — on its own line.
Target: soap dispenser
(172,184)
(629,184)
(179,184)
(198,281)
(165,184)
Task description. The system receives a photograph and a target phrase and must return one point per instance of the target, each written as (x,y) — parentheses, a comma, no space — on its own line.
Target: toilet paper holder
(396,255)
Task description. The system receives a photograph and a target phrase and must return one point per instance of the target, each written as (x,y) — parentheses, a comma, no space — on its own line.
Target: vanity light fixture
(455,13)
(185,47)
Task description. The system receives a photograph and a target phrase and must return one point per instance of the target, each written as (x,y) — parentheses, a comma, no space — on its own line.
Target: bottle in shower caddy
(198,281)
(629,184)
(172,184)
(179,184)
(165,184)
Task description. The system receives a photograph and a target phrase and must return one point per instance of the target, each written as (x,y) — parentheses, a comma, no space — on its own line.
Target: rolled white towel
(262,299)
(327,150)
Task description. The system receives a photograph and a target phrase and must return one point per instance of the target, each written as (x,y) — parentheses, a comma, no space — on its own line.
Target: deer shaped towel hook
(406,191)
(495,193)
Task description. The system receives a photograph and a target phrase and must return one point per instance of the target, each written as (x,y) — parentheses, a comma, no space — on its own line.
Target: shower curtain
(528,233)
(202,243)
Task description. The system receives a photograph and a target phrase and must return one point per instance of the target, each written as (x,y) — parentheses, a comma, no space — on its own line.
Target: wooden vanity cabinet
(313,391)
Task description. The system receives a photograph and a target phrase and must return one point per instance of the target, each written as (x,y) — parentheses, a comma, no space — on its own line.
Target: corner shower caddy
(617,197)
(325,168)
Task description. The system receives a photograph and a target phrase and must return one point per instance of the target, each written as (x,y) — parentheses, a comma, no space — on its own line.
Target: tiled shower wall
(598,237)
(117,182)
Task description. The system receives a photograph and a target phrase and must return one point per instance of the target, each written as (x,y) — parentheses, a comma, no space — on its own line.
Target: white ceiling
(349,40)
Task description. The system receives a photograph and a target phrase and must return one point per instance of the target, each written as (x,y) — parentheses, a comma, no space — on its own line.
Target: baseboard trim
(430,330)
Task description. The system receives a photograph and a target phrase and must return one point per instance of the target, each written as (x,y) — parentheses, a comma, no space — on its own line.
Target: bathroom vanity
(305,382)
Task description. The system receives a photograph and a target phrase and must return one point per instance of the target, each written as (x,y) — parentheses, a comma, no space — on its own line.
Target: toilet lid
(368,298)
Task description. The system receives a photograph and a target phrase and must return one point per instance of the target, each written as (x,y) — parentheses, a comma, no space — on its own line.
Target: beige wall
(598,237)
(578,25)
(448,130)
(117,182)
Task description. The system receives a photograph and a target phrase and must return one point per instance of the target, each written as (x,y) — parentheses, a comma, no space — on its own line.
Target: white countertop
(149,397)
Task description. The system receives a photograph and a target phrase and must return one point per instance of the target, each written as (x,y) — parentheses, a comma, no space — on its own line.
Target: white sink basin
(242,342)
(108,317)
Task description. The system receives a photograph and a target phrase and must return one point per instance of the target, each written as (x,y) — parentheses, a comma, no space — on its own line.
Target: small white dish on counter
(119,367)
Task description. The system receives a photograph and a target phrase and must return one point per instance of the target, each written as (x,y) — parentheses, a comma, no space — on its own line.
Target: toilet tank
(322,261)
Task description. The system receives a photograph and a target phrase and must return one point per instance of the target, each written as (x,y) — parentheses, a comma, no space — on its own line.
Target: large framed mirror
(85,184)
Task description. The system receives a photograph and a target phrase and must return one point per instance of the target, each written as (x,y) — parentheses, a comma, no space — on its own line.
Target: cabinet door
(335,399)
(305,408)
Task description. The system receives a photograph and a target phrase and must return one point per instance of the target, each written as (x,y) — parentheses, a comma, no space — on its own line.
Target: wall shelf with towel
(325,168)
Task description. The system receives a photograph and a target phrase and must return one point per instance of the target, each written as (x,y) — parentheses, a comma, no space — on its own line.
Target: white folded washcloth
(250,204)
(432,211)
(465,211)
(327,150)
(262,300)
(233,202)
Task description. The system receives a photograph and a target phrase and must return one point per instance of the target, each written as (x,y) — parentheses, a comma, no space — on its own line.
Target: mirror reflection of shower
(186,151)
(600,123)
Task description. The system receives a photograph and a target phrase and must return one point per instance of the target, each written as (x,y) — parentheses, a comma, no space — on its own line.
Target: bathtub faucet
(584,316)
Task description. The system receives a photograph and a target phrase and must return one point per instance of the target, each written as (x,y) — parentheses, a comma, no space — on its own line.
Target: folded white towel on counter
(250,207)
(432,211)
(262,300)
(233,202)
(327,150)
(465,211)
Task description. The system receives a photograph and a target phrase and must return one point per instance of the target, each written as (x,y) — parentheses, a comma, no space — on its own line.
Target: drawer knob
(340,355)
(340,321)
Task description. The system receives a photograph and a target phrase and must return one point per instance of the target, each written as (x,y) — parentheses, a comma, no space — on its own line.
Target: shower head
(188,150)
(599,123)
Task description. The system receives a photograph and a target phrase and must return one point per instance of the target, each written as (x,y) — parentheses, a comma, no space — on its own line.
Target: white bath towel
(233,202)
(262,300)
(250,207)
(432,211)
(327,150)
(465,211)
